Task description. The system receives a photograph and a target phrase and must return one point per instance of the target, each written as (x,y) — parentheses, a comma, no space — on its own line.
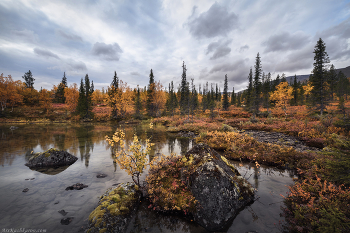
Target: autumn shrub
(167,184)
(294,127)
(242,147)
(131,158)
(316,205)
(102,113)
(333,165)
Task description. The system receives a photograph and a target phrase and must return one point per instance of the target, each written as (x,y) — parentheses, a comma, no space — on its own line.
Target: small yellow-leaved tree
(282,96)
(131,158)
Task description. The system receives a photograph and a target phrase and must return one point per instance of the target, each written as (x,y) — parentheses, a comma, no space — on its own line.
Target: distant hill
(305,77)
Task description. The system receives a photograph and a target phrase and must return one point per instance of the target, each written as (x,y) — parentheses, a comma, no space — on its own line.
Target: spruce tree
(276,82)
(225,102)
(184,98)
(150,93)
(64,79)
(89,89)
(211,101)
(59,95)
(138,104)
(194,99)
(233,97)
(112,93)
(283,78)
(266,89)
(28,79)
(343,85)
(295,91)
(239,103)
(205,97)
(257,83)
(81,99)
(249,94)
(319,78)
(171,103)
(332,81)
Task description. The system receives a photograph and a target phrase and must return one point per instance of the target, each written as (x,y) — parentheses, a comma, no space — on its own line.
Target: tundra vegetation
(315,111)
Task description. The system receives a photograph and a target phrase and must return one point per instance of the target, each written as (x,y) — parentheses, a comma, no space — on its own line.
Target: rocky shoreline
(279,139)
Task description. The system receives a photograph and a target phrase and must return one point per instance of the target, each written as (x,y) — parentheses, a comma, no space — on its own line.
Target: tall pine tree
(225,102)
(81,99)
(233,97)
(319,78)
(138,104)
(332,81)
(28,79)
(184,98)
(112,93)
(257,84)
(150,94)
(295,91)
(248,98)
(84,100)
(59,95)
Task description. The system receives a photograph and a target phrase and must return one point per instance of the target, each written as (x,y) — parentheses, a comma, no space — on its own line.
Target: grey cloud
(110,52)
(135,73)
(217,21)
(68,36)
(45,53)
(227,66)
(285,41)
(25,35)
(298,60)
(220,52)
(337,40)
(220,49)
(76,65)
(243,48)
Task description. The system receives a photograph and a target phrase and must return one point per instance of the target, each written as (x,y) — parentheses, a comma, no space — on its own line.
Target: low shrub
(314,205)
(167,187)
(242,147)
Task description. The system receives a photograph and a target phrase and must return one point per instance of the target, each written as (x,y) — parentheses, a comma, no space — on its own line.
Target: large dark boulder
(218,187)
(115,209)
(51,158)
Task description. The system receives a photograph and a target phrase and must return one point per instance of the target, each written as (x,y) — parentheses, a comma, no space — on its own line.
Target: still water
(39,207)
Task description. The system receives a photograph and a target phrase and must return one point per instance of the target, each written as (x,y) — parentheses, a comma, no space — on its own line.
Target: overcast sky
(131,37)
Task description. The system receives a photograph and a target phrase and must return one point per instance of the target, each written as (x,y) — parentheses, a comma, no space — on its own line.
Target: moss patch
(115,202)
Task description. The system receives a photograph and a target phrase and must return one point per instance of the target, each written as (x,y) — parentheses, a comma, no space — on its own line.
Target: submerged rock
(218,187)
(66,221)
(77,186)
(115,209)
(63,212)
(101,175)
(51,158)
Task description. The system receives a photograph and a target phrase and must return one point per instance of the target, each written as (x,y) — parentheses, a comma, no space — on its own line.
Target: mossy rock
(115,209)
(219,191)
(51,158)
(218,187)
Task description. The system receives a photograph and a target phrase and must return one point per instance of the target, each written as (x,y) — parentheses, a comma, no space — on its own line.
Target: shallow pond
(38,208)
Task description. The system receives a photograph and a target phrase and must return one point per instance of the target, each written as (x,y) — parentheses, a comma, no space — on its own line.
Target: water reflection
(51,170)
(38,208)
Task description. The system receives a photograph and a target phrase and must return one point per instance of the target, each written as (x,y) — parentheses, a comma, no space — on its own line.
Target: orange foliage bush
(167,187)
(314,205)
(102,113)
(242,147)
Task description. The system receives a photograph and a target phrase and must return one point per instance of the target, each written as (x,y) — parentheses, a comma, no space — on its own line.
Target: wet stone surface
(280,139)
